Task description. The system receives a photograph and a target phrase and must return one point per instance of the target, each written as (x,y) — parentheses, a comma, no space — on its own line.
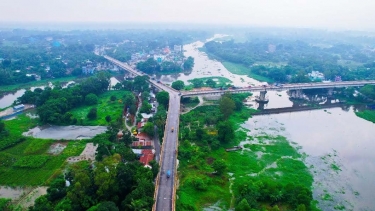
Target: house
(316,75)
(147,156)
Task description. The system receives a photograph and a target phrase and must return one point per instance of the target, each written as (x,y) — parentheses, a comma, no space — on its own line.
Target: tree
(197,83)
(178,85)
(148,128)
(225,131)
(3,130)
(113,98)
(163,98)
(189,63)
(301,207)
(91,99)
(146,107)
(227,106)
(108,118)
(92,114)
(243,206)
(211,83)
(219,166)
(154,167)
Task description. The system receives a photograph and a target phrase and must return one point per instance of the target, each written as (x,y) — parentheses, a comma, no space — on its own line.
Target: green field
(24,161)
(368,115)
(104,107)
(239,69)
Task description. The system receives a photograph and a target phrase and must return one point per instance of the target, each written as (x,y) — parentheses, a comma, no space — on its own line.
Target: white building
(159,58)
(316,75)
(177,48)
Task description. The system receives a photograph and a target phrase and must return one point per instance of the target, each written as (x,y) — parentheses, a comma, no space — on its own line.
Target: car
(168,174)
(172,129)
(158,81)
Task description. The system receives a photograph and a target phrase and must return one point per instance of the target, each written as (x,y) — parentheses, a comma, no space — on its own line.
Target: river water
(8,99)
(205,67)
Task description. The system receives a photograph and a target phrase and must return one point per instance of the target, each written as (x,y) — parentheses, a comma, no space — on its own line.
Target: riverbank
(368,115)
(265,158)
(12,88)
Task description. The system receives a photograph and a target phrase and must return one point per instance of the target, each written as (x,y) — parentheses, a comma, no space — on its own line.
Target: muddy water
(205,67)
(8,99)
(339,146)
(66,132)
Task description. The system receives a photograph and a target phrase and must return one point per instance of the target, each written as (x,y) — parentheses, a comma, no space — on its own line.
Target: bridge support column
(330,92)
(262,95)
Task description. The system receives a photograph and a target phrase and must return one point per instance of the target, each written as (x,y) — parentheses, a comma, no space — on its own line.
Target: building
(271,48)
(147,156)
(159,58)
(18,107)
(316,75)
(177,48)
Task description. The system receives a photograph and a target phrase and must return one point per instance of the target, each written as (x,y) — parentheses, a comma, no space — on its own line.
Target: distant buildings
(177,48)
(159,58)
(271,48)
(316,75)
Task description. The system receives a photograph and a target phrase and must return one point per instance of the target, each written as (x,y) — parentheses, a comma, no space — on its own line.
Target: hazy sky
(334,14)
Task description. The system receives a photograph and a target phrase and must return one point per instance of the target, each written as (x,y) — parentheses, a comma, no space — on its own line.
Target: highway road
(168,158)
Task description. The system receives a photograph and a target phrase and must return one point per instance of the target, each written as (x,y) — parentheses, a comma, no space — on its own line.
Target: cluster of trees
(189,63)
(251,194)
(151,66)
(178,85)
(3,131)
(53,105)
(111,184)
(300,58)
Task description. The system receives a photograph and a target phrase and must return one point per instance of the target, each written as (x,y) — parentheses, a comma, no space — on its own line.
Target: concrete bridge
(295,89)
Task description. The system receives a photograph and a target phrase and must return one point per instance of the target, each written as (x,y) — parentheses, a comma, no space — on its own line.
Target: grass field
(239,69)
(104,107)
(220,81)
(15,168)
(368,115)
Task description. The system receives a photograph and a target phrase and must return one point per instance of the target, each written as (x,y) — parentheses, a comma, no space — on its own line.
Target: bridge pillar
(262,97)
(330,92)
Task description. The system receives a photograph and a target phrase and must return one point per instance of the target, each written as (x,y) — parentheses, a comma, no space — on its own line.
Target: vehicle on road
(158,82)
(172,129)
(168,174)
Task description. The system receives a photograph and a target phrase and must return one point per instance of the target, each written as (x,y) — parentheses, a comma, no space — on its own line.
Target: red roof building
(147,156)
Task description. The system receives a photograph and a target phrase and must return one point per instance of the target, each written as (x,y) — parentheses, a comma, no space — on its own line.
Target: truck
(168,173)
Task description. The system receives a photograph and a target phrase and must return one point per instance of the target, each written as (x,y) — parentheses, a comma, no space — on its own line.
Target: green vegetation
(268,176)
(240,69)
(213,82)
(178,85)
(368,115)
(189,63)
(32,161)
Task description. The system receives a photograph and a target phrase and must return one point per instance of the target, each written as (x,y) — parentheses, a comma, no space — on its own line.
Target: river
(206,67)
(331,138)
(8,99)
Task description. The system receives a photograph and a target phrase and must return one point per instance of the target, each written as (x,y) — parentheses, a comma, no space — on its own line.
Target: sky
(323,14)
